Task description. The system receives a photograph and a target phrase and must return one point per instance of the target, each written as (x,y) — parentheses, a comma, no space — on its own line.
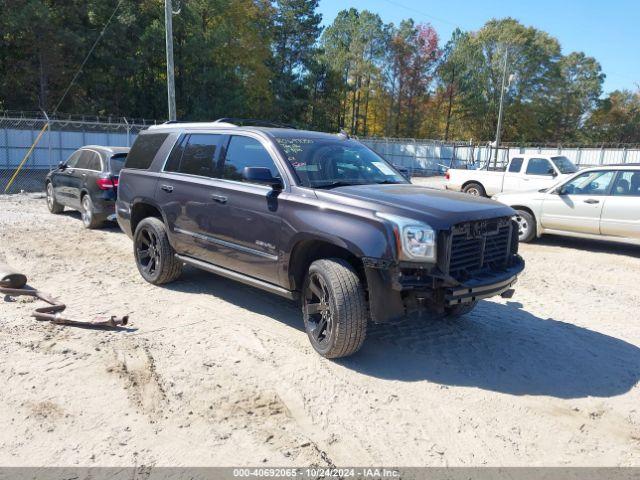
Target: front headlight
(416,240)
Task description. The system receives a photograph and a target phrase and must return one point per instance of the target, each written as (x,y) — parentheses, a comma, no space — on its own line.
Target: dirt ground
(215,373)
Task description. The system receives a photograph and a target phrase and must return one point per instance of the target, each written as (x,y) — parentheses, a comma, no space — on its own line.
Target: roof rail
(175,123)
(252,122)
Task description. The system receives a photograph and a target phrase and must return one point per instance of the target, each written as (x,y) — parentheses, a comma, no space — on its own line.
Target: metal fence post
(48,138)
(6,145)
(128,131)
(624,155)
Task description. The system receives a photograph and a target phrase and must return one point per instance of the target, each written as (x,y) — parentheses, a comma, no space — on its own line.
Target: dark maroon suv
(314,217)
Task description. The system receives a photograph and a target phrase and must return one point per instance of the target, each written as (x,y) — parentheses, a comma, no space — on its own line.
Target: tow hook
(508,293)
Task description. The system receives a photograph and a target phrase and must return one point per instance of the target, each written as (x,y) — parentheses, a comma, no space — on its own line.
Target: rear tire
(334,308)
(155,257)
(457,311)
(53,206)
(89,219)
(526,226)
(475,189)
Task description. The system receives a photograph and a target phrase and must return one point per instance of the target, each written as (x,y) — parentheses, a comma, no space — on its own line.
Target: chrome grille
(479,245)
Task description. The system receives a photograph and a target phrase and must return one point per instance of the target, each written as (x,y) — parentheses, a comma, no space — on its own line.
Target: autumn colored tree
(271,60)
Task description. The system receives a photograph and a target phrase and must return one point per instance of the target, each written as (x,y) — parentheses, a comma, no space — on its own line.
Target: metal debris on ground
(14,284)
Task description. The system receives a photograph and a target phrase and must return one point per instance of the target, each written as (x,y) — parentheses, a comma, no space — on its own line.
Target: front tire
(155,257)
(334,308)
(475,189)
(87,212)
(53,206)
(526,226)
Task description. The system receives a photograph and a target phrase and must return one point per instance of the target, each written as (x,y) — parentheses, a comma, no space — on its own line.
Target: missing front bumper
(391,296)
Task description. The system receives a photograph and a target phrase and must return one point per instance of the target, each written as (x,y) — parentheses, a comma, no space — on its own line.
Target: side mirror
(552,172)
(262,175)
(62,166)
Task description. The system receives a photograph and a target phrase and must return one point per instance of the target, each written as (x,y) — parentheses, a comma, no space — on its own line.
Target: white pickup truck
(523,172)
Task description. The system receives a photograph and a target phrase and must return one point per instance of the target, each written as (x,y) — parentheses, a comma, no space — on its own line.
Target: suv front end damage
(475,260)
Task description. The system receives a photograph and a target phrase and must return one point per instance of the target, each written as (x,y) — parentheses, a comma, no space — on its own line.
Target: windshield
(116,163)
(327,163)
(564,165)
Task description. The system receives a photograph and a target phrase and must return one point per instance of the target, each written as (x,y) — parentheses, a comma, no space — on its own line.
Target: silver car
(598,203)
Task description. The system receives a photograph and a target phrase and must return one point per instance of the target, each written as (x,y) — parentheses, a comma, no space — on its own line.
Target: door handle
(592,201)
(219,198)
(167,188)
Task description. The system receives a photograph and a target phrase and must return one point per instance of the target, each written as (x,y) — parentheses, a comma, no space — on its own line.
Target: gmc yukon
(313,217)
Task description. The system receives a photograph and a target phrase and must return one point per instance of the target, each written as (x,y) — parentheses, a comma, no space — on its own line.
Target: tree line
(274,60)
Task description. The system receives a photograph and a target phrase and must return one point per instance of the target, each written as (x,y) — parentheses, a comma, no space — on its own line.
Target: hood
(439,208)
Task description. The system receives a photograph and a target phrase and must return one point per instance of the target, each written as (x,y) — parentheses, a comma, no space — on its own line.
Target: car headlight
(415,240)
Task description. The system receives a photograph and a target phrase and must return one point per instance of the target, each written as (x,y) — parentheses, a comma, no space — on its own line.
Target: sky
(607,30)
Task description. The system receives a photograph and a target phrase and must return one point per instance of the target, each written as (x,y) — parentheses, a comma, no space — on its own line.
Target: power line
(75,77)
(411,9)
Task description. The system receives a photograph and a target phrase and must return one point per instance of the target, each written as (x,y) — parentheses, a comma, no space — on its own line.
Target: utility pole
(499,129)
(171,86)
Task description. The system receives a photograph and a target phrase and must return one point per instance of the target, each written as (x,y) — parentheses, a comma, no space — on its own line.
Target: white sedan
(598,203)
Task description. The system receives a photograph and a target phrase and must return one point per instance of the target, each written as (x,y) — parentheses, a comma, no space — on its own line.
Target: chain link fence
(31,146)
(434,157)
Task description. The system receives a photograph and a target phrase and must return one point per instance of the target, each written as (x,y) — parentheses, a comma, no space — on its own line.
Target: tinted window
(116,163)
(627,184)
(589,183)
(173,162)
(88,160)
(72,161)
(144,150)
(246,152)
(94,162)
(515,165)
(198,155)
(539,166)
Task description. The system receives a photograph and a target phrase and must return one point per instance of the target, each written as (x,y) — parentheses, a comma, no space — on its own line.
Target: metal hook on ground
(14,284)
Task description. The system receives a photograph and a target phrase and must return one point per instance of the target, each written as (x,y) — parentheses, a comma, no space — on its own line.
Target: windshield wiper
(388,182)
(336,184)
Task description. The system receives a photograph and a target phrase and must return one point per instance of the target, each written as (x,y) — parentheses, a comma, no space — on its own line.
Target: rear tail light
(106,183)
(446,175)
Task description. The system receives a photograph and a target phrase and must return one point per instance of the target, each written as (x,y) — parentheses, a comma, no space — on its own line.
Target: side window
(94,162)
(516,165)
(144,150)
(539,166)
(246,152)
(173,161)
(589,183)
(72,161)
(85,159)
(199,155)
(627,184)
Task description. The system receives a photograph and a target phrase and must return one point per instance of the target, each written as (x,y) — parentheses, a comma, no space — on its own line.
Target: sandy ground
(215,373)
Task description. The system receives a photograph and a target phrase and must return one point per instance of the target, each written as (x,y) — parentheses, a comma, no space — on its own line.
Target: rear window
(117,162)
(144,150)
(516,165)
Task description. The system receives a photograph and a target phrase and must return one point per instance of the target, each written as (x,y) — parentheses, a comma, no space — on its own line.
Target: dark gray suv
(314,217)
